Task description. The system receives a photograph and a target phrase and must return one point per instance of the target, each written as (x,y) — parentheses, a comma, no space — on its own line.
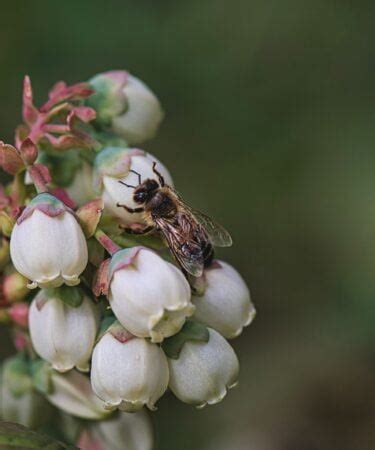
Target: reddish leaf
(83,113)
(65,142)
(61,93)
(29,112)
(89,216)
(62,195)
(101,280)
(10,159)
(29,151)
(40,175)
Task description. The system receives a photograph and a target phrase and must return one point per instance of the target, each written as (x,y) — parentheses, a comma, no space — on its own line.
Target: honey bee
(189,234)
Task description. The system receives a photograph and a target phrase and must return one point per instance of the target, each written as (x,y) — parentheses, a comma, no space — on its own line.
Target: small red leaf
(89,216)
(61,93)
(10,159)
(40,174)
(65,142)
(29,112)
(101,280)
(62,195)
(83,113)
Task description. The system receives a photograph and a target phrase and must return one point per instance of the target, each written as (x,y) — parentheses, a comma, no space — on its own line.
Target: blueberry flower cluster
(104,320)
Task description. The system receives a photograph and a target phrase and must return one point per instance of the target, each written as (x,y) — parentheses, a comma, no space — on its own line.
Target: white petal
(128,375)
(73,394)
(49,250)
(151,298)
(225,305)
(61,334)
(143,115)
(125,432)
(204,371)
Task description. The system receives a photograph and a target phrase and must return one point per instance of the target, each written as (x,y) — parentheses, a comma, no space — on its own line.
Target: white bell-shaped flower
(126,106)
(47,244)
(225,304)
(149,296)
(30,409)
(63,335)
(128,372)
(204,371)
(123,431)
(115,164)
(72,394)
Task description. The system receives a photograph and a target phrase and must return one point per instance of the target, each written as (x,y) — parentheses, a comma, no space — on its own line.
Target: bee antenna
(127,185)
(137,173)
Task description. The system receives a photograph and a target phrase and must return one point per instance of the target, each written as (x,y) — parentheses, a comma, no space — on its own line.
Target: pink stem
(38,180)
(106,242)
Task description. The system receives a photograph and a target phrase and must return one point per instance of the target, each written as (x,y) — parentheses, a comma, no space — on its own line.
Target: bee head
(145,191)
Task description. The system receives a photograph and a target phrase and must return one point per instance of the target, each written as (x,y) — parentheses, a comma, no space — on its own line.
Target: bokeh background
(270,128)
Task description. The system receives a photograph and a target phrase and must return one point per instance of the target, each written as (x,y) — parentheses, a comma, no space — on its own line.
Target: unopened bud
(15,287)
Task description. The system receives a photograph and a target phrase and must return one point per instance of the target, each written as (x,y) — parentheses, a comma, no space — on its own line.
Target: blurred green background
(270,129)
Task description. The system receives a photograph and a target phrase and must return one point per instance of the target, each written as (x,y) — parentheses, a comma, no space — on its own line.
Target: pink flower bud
(19,313)
(15,287)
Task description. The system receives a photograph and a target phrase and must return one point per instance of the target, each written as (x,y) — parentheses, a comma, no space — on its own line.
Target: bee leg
(159,175)
(138,231)
(131,210)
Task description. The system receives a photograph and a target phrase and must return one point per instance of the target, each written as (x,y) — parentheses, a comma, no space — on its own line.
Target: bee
(190,235)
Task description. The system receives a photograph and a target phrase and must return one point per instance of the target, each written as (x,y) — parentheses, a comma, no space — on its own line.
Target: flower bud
(15,287)
(149,296)
(126,105)
(61,334)
(225,304)
(19,313)
(128,372)
(115,164)
(204,371)
(47,244)
(123,431)
(29,409)
(73,394)
(19,402)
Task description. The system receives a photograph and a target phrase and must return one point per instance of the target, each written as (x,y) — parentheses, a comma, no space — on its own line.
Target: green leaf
(105,324)
(70,295)
(16,375)
(16,436)
(191,331)
(41,373)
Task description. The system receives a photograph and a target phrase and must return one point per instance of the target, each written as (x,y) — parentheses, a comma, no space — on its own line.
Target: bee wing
(193,264)
(218,235)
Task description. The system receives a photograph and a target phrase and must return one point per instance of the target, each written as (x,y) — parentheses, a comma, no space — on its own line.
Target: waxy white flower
(128,372)
(29,409)
(126,105)
(225,304)
(115,164)
(123,431)
(61,334)
(47,244)
(204,371)
(73,394)
(149,296)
